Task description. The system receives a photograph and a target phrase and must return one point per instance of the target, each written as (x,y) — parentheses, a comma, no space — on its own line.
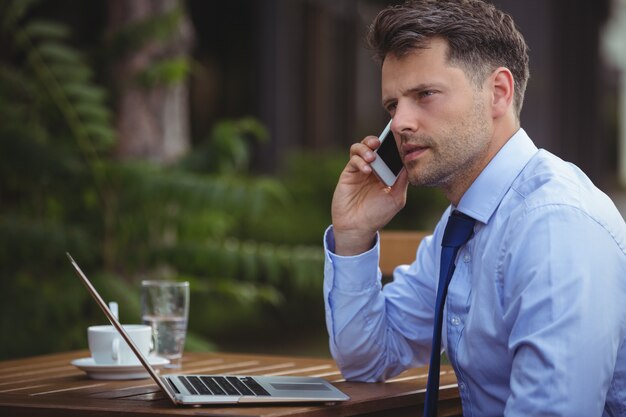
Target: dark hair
(481,38)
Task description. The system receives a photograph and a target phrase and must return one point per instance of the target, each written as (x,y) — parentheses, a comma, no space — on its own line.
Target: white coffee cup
(107,347)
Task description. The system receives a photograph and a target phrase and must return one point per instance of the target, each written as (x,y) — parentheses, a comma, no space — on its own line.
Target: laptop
(224,389)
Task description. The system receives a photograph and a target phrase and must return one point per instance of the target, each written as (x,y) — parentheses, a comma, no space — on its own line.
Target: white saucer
(110,372)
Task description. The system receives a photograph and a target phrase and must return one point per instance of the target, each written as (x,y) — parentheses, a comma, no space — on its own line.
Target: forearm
(365,347)
(365,339)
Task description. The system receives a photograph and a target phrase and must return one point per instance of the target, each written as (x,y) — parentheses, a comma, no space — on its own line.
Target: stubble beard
(451,157)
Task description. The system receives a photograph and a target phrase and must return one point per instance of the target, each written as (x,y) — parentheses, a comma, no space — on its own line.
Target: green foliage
(136,35)
(310,179)
(249,245)
(53,65)
(228,148)
(165,73)
(62,190)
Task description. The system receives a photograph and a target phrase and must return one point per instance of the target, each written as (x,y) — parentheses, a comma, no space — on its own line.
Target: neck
(502,132)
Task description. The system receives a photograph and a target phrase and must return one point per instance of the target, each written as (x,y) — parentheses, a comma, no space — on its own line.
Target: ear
(502,92)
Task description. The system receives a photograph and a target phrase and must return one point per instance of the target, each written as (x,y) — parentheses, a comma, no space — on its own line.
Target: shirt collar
(483,197)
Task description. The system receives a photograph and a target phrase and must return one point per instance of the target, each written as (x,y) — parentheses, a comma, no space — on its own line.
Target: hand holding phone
(388,163)
(359,207)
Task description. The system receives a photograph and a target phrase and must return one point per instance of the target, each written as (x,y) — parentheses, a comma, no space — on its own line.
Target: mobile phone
(388,163)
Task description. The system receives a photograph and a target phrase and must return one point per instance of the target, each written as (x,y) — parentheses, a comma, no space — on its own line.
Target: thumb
(402,183)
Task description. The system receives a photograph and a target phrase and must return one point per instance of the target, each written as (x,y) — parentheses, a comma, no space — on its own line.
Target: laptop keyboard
(223,385)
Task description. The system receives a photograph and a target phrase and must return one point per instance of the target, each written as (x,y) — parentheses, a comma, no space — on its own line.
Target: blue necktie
(458,231)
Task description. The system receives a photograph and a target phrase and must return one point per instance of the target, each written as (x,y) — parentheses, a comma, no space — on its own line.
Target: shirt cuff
(352,273)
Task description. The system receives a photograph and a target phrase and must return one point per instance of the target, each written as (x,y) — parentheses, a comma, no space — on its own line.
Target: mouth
(411,152)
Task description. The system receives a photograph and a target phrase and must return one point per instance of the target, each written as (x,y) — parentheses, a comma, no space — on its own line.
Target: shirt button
(467,258)
(455,320)
(461,385)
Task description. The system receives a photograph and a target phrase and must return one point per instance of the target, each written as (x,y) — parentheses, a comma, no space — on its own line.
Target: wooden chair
(397,248)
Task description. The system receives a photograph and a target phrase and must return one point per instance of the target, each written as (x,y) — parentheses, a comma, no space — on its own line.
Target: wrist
(353,242)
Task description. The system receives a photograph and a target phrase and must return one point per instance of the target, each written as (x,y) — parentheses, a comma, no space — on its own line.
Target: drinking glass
(165,307)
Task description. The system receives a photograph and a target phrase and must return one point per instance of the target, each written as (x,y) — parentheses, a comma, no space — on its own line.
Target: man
(535,314)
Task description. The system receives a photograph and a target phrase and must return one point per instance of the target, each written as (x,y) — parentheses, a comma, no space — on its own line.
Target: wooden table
(50,386)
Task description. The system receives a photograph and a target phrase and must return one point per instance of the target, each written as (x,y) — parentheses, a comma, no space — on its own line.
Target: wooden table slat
(50,386)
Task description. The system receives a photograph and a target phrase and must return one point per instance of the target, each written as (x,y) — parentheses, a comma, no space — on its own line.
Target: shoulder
(551,194)
(560,235)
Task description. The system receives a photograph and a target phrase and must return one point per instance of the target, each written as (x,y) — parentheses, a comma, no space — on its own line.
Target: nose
(404,120)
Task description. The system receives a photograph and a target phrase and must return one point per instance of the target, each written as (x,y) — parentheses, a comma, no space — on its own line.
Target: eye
(427,93)
(391,107)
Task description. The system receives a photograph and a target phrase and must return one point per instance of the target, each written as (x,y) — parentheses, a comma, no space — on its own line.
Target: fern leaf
(70,73)
(93,112)
(14,11)
(22,238)
(43,29)
(252,126)
(102,133)
(57,52)
(84,92)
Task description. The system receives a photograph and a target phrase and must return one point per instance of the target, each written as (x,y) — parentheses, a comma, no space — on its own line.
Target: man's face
(441,120)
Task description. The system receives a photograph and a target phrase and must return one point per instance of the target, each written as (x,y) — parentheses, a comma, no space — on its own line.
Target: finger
(357,163)
(402,183)
(372,142)
(363,151)
(399,189)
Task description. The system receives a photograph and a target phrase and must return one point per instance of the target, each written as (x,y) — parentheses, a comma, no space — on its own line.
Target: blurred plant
(228,148)
(62,190)
(149,61)
(310,179)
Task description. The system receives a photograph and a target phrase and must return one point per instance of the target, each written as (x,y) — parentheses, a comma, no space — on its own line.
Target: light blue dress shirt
(535,320)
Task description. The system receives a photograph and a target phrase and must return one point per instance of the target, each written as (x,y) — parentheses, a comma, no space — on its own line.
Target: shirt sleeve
(377,333)
(562,306)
